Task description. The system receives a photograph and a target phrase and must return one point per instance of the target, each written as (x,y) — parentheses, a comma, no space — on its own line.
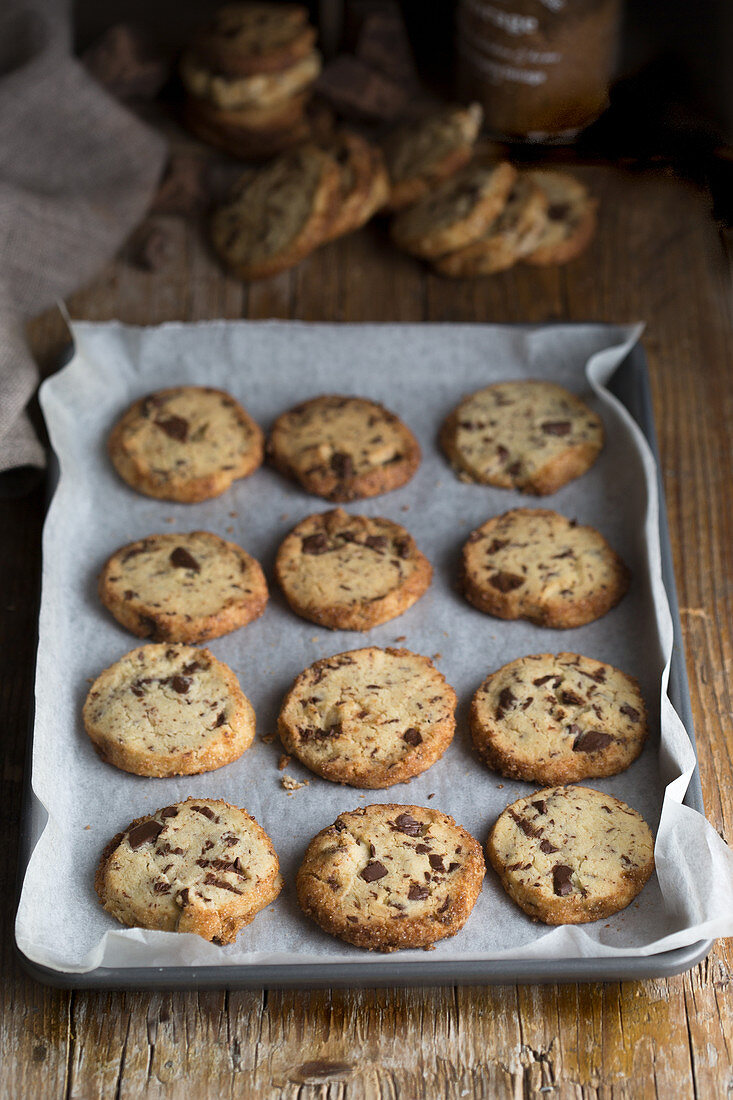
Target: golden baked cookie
(569,855)
(456,213)
(268,132)
(370,718)
(343,448)
(248,38)
(422,154)
(364,185)
(167,710)
(187,443)
(183,587)
(262,90)
(390,877)
(558,718)
(198,866)
(351,572)
(571,218)
(277,215)
(529,435)
(513,234)
(535,564)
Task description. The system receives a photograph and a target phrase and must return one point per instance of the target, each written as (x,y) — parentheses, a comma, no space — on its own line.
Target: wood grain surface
(658,257)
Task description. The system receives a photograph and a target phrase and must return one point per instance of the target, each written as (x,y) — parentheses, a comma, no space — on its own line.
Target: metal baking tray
(630,384)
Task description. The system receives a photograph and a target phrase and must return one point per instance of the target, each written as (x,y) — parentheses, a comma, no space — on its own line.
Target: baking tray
(630,384)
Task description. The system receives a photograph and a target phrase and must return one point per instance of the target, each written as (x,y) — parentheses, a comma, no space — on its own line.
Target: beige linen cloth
(77,171)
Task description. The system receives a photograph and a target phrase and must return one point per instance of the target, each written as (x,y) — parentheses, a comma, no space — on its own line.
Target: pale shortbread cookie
(231,93)
(529,435)
(513,234)
(568,855)
(277,215)
(168,710)
(558,718)
(388,877)
(423,153)
(535,564)
(188,443)
(350,572)
(456,213)
(198,866)
(183,587)
(370,718)
(570,222)
(248,38)
(343,448)
(364,184)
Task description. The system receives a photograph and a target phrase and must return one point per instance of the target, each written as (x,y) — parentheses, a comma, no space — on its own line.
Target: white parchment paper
(420,372)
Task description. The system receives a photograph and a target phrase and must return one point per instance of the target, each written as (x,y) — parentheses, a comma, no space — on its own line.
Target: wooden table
(658,257)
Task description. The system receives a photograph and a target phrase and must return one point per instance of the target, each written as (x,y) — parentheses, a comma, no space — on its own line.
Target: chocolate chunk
(561,883)
(417,893)
(374,870)
(526,826)
(591,741)
(407,824)
(376,542)
(169,811)
(182,898)
(189,669)
(506,582)
(340,825)
(506,700)
(630,712)
(206,811)
(556,211)
(144,832)
(502,452)
(180,684)
(412,736)
(402,547)
(220,719)
(514,469)
(342,465)
(574,730)
(212,880)
(556,427)
(436,862)
(445,905)
(497,544)
(333,882)
(229,839)
(183,560)
(314,544)
(542,680)
(540,806)
(175,427)
(547,848)
(161,887)
(569,697)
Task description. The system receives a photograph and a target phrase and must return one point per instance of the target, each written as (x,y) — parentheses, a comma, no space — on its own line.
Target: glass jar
(540,68)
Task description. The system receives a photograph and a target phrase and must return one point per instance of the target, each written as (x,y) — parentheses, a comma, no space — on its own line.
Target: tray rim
(392,972)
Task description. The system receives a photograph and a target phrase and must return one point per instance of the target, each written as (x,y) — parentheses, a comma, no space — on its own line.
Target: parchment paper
(420,372)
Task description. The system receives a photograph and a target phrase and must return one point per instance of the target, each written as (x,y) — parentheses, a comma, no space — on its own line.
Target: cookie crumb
(283,762)
(233,515)
(431,795)
(268,738)
(405,508)
(429,947)
(290,784)
(87,827)
(437,656)
(402,638)
(284,516)
(169,519)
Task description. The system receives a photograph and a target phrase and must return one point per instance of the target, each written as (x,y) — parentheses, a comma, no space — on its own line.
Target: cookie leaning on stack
(248,76)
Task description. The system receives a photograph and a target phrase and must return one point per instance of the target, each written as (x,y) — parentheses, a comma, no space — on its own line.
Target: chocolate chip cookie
(570,222)
(364,184)
(227,92)
(423,153)
(183,587)
(251,38)
(535,564)
(277,215)
(370,718)
(456,213)
(532,436)
(391,877)
(167,710)
(510,236)
(569,855)
(188,443)
(558,718)
(198,866)
(343,448)
(350,572)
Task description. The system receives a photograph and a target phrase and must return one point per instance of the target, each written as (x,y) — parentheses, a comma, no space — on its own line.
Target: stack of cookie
(469,216)
(248,77)
(278,215)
